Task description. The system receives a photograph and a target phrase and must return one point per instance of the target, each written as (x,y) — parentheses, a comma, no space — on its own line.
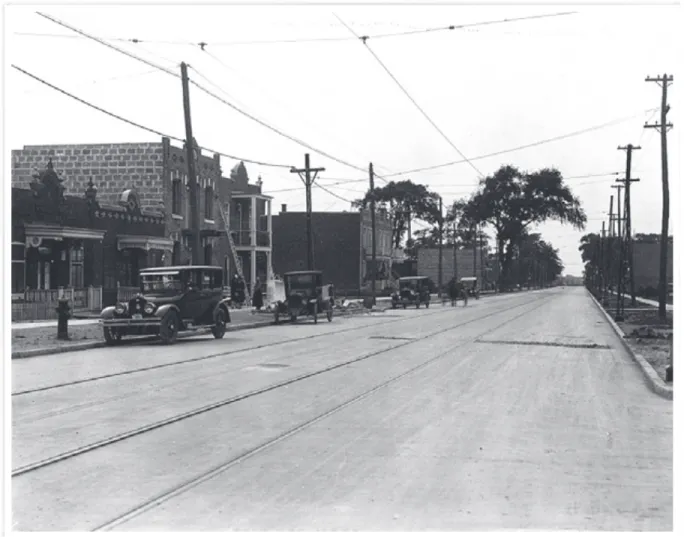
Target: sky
(489,88)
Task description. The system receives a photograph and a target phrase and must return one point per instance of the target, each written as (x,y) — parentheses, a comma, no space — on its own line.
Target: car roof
(409,278)
(179,268)
(302,272)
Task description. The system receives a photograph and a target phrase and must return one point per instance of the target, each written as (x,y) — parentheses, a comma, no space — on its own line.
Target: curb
(30,353)
(653,379)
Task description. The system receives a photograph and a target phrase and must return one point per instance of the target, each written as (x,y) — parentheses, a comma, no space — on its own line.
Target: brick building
(647,265)
(78,246)
(157,174)
(342,247)
(428,265)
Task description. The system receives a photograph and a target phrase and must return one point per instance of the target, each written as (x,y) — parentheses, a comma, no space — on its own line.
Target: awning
(45,231)
(144,242)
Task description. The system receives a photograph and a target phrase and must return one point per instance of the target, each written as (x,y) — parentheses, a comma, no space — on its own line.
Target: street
(519,411)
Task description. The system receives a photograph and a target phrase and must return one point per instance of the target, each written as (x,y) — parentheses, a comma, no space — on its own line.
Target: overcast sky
(489,88)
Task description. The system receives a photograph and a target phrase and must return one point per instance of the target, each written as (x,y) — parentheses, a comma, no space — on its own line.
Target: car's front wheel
(219,328)
(168,330)
(112,336)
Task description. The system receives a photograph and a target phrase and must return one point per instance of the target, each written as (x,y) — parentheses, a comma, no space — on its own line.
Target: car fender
(163,309)
(108,312)
(224,305)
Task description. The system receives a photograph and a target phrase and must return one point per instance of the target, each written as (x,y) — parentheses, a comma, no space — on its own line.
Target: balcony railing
(243,237)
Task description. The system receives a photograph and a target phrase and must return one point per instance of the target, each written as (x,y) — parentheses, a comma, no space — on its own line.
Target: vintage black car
(412,290)
(305,295)
(171,300)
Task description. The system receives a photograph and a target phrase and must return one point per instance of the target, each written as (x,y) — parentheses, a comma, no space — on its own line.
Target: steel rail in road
(231,400)
(188,485)
(206,357)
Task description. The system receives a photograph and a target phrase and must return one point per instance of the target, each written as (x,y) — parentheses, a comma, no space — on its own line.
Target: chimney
(283,208)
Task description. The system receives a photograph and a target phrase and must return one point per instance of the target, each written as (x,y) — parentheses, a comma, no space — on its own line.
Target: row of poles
(607,277)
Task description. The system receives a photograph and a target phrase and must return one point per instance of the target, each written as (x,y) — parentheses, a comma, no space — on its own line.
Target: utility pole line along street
(663,81)
(308,182)
(628,180)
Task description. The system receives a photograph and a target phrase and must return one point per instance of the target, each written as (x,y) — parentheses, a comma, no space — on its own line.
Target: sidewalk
(668,307)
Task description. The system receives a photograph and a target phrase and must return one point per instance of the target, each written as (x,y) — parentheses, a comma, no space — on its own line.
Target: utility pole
(195,241)
(441,229)
(628,215)
(482,261)
(372,193)
(609,264)
(602,261)
(618,309)
(474,251)
(455,245)
(663,127)
(308,182)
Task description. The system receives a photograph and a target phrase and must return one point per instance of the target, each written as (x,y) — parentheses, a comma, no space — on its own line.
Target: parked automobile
(171,300)
(470,285)
(305,295)
(412,290)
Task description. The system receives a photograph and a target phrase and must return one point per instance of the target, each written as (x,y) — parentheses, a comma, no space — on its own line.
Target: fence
(41,304)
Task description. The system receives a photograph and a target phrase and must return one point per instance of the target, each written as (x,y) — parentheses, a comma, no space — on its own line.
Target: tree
(511,201)
(403,200)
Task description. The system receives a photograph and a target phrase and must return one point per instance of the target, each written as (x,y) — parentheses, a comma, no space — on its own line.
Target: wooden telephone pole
(620,286)
(195,241)
(441,233)
(308,182)
(664,81)
(628,180)
(372,193)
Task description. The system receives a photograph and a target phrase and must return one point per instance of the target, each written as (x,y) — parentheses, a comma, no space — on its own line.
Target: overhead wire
(205,90)
(303,40)
(138,125)
(525,146)
(408,95)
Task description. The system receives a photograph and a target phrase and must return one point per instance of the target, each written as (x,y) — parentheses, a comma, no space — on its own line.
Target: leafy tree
(403,200)
(511,201)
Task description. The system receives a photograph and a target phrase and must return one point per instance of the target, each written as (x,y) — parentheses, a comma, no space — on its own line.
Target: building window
(76,267)
(18,267)
(176,190)
(209,203)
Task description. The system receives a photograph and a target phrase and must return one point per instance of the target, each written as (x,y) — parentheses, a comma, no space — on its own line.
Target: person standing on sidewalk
(258,297)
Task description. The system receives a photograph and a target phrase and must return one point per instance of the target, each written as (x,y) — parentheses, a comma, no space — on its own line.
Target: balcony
(243,238)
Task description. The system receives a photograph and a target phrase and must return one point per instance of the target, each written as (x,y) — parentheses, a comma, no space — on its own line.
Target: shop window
(76,272)
(209,203)
(176,190)
(18,267)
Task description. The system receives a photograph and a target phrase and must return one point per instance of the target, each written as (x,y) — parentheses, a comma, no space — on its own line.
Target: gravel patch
(46,337)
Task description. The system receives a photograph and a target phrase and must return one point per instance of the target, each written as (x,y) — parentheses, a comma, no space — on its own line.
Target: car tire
(168,330)
(219,328)
(111,336)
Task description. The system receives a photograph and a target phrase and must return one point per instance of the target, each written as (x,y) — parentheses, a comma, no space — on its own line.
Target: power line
(103,42)
(203,44)
(412,99)
(138,125)
(526,146)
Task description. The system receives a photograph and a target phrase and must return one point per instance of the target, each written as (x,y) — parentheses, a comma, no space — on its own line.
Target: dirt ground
(645,333)
(46,337)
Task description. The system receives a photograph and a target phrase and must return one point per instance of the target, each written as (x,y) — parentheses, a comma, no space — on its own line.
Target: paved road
(518,412)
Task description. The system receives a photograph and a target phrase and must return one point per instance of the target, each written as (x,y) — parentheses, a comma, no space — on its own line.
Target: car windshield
(410,284)
(161,282)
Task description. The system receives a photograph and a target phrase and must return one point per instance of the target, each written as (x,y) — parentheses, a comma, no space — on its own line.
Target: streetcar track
(217,470)
(231,400)
(207,357)
(215,355)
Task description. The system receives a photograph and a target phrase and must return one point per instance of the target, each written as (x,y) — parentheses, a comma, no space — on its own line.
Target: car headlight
(149,308)
(120,309)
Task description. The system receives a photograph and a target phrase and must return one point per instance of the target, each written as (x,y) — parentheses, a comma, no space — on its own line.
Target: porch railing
(41,304)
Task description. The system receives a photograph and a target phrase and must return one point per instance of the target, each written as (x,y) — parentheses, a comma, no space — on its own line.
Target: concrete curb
(657,384)
(30,353)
